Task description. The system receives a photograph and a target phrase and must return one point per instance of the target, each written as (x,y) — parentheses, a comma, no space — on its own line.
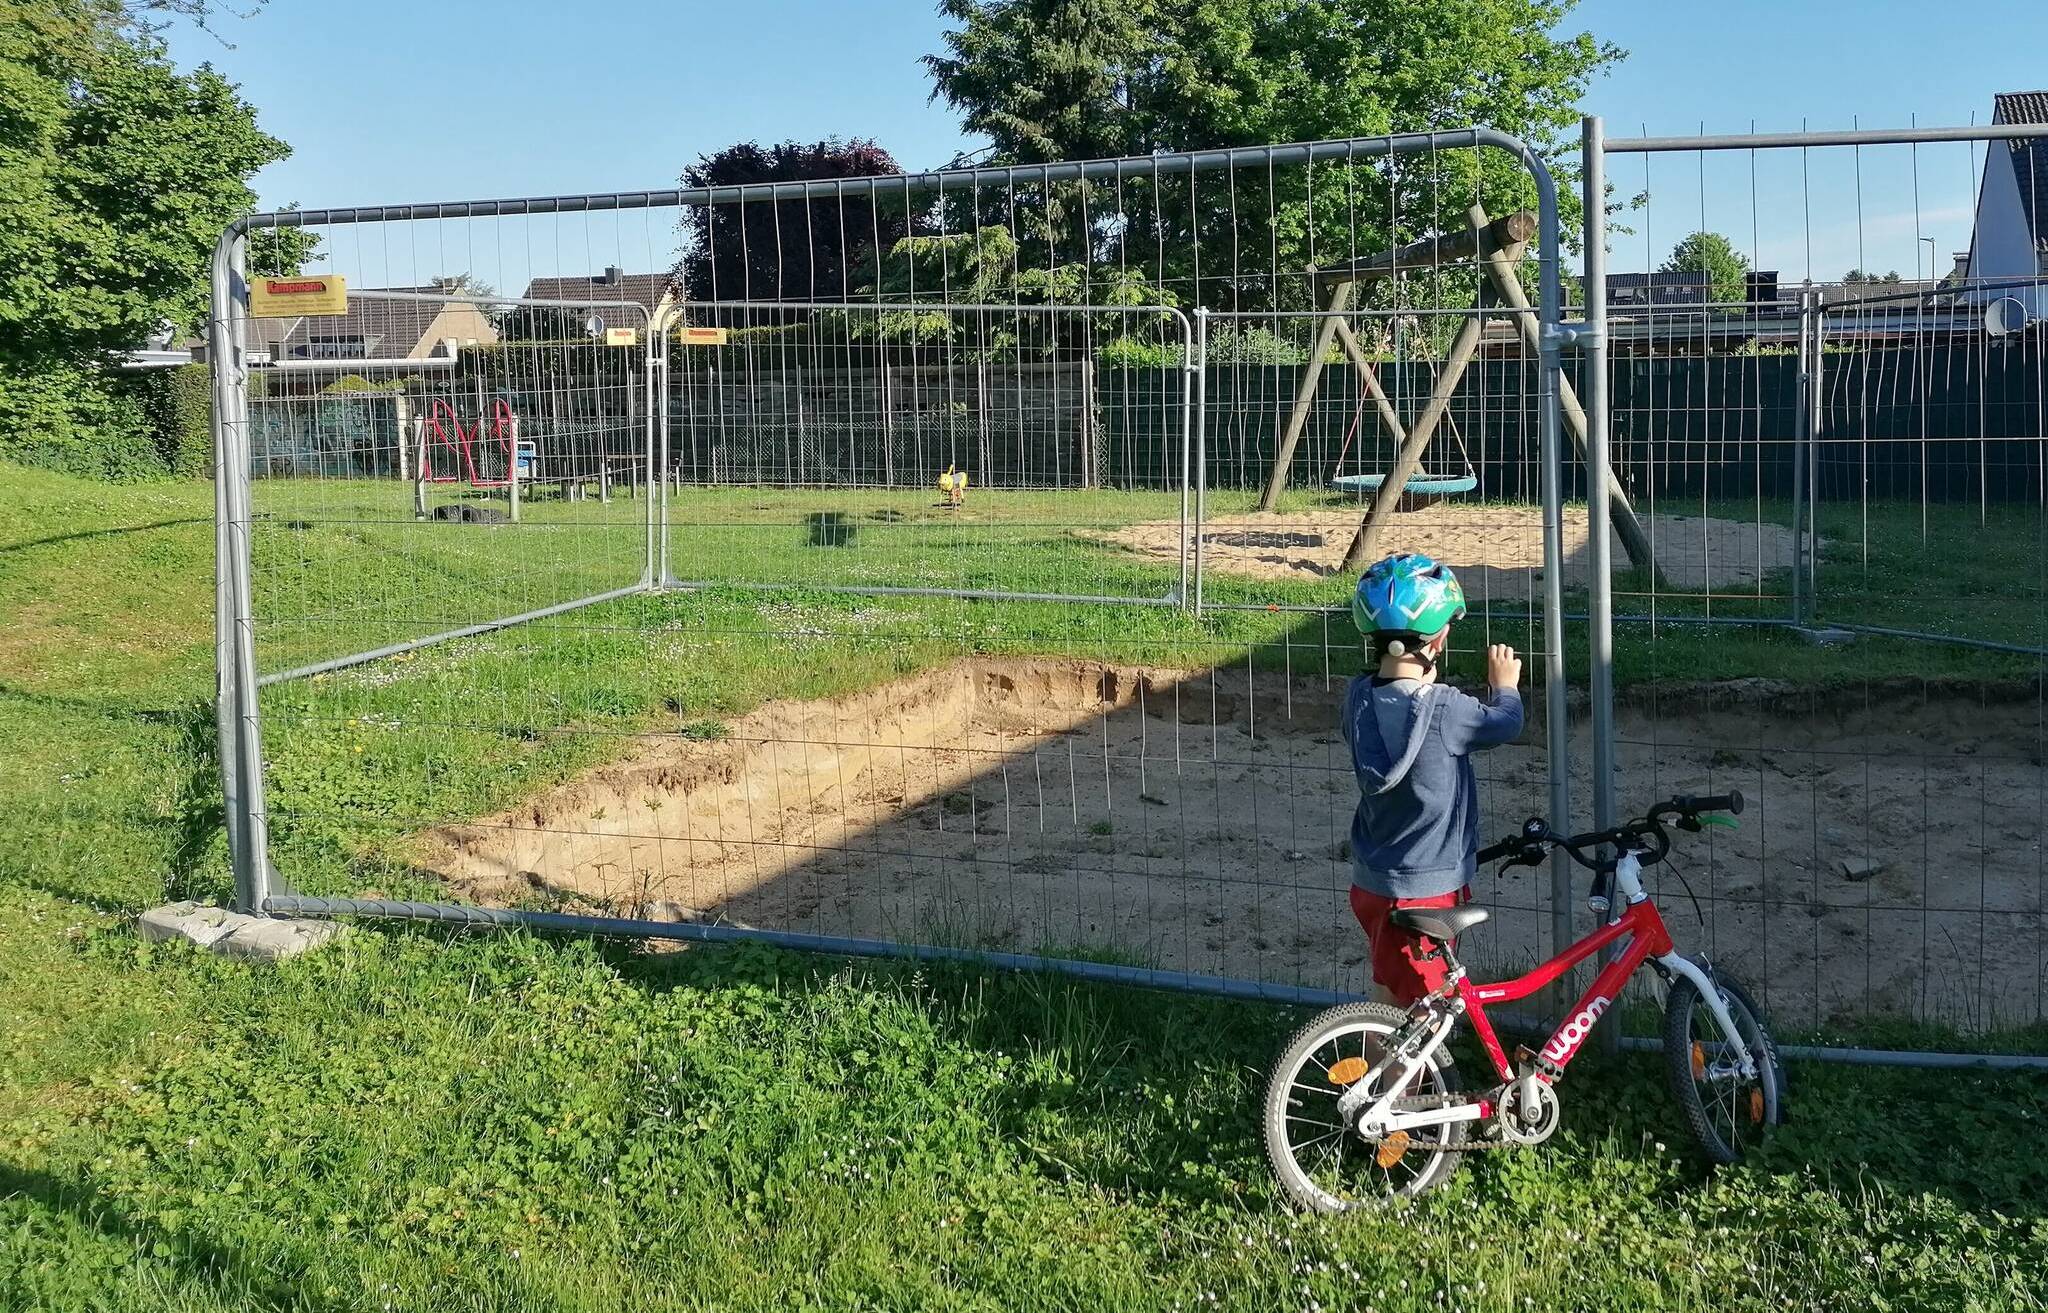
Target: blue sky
(380,101)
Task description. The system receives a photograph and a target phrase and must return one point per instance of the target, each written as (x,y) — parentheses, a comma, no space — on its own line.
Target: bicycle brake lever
(1721,819)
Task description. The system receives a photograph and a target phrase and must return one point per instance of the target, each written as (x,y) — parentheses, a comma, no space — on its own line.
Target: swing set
(1421,485)
(449,451)
(487,454)
(1496,246)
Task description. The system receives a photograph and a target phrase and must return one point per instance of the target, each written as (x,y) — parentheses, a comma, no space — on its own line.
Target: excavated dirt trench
(1891,861)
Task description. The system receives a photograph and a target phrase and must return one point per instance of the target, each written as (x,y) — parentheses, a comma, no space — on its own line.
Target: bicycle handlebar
(1528,847)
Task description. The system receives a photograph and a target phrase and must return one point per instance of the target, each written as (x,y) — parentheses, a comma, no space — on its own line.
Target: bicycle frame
(1647,938)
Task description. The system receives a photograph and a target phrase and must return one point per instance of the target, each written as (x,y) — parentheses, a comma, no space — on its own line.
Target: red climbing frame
(445,433)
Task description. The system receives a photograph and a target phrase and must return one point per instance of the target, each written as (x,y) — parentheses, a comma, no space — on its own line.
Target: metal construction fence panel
(1843,484)
(371,476)
(819,689)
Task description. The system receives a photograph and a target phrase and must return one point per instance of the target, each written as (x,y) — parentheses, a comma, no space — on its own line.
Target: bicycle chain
(1425,1102)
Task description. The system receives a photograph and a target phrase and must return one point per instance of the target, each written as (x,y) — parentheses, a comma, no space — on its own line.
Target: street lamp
(1930,256)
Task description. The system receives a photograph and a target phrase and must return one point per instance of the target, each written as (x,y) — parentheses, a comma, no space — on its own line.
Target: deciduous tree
(1715,256)
(792,250)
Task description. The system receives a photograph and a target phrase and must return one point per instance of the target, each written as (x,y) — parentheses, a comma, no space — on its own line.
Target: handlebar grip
(1730,801)
(1493,852)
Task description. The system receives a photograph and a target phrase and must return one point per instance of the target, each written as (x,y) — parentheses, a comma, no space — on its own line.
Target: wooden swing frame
(1497,245)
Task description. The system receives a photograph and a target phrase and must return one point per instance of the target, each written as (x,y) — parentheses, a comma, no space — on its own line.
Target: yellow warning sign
(693,335)
(621,336)
(311,294)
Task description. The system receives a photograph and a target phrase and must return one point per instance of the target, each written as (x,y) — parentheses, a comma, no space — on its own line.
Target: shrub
(1134,353)
(77,419)
(178,404)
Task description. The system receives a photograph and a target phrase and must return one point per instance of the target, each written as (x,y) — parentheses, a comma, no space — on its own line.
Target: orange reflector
(1348,1072)
(1699,1061)
(1756,1107)
(1391,1149)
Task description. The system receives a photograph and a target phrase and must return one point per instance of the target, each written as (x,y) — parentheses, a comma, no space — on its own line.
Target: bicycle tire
(1681,1008)
(1439,1076)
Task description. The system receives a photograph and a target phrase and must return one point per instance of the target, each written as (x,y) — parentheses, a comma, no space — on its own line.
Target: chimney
(613,275)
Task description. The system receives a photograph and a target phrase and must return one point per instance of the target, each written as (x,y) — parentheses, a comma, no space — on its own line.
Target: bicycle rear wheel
(1326,1165)
(1726,1112)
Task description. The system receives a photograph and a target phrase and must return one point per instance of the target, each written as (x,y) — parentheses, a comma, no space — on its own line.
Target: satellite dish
(594,326)
(2005,316)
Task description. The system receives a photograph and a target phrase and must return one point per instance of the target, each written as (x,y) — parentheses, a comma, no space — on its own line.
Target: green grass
(422,1120)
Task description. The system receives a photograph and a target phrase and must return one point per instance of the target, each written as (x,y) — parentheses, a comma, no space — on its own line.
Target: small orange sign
(307,294)
(695,335)
(621,336)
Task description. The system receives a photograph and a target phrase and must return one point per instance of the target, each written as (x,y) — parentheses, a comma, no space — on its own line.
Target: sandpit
(1195,821)
(1497,549)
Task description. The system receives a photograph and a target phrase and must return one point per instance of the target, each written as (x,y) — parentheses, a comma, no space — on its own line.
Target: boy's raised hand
(1503,667)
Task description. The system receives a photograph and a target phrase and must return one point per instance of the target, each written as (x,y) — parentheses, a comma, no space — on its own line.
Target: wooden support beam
(1305,396)
(1371,377)
(1365,544)
(1508,286)
(1446,248)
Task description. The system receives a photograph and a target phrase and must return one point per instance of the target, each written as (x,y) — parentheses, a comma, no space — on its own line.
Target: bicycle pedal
(1391,1150)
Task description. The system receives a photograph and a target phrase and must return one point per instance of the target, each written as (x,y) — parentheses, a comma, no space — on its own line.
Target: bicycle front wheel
(1324,1164)
(1727,1112)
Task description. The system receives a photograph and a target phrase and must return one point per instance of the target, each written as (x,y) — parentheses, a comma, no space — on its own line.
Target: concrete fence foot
(237,934)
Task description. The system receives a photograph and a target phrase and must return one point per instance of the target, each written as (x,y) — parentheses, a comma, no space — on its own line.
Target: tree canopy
(793,250)
(117,175)
(1715,256)
(1066,79)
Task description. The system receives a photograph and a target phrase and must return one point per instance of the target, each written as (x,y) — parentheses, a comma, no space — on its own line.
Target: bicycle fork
(1677,963)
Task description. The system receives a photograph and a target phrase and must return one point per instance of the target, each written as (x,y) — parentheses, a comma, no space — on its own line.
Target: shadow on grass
(190,830)
(55,538)
(158,1257)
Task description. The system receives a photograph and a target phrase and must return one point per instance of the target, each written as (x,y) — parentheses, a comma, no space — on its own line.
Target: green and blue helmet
(1408,593)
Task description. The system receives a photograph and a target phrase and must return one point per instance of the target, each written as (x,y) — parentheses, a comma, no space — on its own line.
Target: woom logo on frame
(1573,1033)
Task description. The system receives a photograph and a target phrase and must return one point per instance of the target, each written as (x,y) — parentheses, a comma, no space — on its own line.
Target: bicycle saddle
(1439,923)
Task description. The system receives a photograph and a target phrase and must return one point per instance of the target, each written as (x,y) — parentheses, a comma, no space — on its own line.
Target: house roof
(611,285)
(386,328)
(2029,156)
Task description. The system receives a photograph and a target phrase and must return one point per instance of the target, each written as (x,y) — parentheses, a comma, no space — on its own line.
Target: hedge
(109,423)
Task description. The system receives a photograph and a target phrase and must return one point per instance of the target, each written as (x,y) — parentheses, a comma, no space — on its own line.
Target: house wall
(2002,246)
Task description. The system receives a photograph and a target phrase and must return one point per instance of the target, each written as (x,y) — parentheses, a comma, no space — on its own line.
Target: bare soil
(1891,860)
(1496,549)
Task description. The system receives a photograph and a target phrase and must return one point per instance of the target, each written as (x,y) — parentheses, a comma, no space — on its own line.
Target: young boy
(1416,833)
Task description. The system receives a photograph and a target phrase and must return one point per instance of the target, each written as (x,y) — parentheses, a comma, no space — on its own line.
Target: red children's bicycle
(1366,1103)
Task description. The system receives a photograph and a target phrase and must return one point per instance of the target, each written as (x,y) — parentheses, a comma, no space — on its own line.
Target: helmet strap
(1419,653)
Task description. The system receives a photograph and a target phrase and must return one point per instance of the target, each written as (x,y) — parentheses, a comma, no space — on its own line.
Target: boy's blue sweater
(1416,834)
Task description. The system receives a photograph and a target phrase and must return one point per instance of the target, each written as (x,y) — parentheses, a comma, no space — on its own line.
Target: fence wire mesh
(929,446)
(1855,470)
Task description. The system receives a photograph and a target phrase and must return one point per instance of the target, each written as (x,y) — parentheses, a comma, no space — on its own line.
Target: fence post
(1592,342)
(1550,427)
(241,757)
(1814,423)
(1802,437)
(1600,587)
(1198,391)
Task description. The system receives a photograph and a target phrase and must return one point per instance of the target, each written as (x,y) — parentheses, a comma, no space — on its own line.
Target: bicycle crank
(1514,1121)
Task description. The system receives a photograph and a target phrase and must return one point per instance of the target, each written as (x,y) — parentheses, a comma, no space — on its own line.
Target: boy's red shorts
(1396,954)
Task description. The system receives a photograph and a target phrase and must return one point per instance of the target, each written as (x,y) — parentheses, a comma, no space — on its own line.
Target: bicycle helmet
(1406,599)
